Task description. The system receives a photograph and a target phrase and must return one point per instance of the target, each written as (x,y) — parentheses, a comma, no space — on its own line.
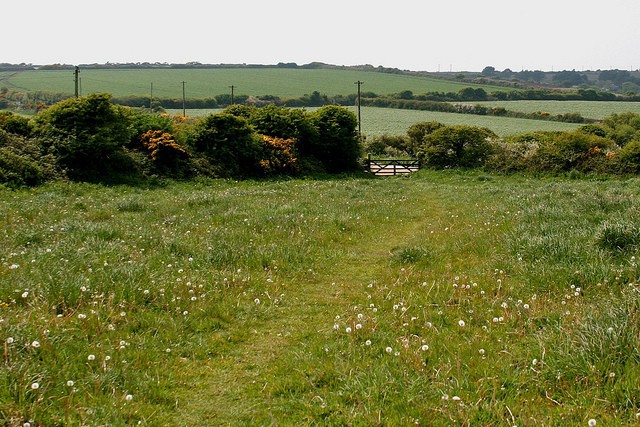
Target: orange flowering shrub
(279,156)
(162,147)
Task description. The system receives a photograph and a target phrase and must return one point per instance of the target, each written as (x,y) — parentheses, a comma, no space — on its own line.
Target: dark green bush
(456,147)
(86,135)
(566,151)
(229,144)
(23,163)
(13,123)
(337,146)
(416,134)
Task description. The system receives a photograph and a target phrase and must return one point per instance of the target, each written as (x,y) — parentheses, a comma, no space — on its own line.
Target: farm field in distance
(443,298)
(589,109)
(203,83)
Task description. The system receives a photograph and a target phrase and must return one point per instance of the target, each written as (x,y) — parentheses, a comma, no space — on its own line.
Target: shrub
(167,155)
(416,134)
(456,146)
(22,161)
(229,144)
(628,158)
(283,122)
(566,151)
(85,134)
(15,124)
(279,156)
(336,147)
(393,145)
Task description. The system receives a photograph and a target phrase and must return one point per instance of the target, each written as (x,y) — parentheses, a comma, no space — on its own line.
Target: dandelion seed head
(35,344)
(35,386)
(388,350)
(424,347)
(70,383)
(592,422)
(461,323)
(10,340)
(91,357)
(128,398)
(348,329)
(367,342)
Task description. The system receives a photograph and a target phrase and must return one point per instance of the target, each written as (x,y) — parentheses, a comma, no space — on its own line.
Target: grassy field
(286,83)
(444,298)
(589,109)
(377,121)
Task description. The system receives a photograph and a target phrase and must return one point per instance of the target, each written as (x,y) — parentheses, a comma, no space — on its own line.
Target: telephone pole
(151,99)
(232,87)
(76,74)
(359,83)
(184,111)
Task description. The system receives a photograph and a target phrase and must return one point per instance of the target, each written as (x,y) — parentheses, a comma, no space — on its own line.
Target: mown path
(225,390)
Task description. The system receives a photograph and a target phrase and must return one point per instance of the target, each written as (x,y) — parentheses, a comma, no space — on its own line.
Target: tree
(488,71)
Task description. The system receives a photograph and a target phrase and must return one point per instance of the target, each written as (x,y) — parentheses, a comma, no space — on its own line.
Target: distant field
(203,83)
(378,121)
(588,109)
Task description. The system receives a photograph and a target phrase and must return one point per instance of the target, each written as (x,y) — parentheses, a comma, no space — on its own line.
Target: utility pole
(232,87)
(184,111)
(359,83)
(76,74)
(151,99)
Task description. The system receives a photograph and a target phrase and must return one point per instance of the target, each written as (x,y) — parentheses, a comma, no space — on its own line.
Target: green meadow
(589,109)
(443,298)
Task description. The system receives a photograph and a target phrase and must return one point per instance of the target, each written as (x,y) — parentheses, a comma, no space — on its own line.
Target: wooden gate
(391,167)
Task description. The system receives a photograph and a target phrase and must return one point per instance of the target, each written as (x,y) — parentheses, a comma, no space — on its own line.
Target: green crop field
(590,109)
(203,83)
(444,298)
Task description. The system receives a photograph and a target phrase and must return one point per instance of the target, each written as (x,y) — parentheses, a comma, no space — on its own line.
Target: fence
(391,167)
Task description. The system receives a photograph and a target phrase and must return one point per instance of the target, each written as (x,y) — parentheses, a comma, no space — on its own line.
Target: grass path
(232,387)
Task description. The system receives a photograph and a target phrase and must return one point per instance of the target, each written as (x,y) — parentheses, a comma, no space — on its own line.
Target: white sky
(407,34)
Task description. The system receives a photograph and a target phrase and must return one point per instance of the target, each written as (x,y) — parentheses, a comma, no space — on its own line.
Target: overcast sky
(424,35)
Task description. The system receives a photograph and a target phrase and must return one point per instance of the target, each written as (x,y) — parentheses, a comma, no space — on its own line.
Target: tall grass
(444,298)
